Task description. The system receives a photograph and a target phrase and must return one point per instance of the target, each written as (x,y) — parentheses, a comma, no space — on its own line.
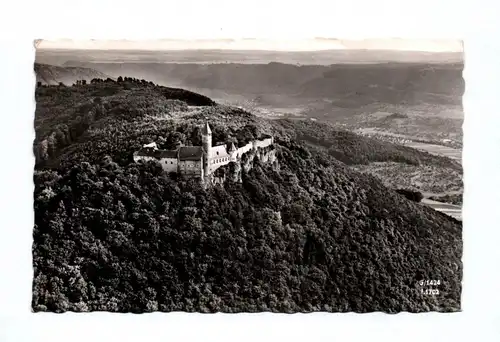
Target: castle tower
(206,136)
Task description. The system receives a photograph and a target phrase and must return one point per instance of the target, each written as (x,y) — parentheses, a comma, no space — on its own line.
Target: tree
(111,234)
(415,196)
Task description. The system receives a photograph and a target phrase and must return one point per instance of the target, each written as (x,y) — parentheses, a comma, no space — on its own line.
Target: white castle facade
(199,161)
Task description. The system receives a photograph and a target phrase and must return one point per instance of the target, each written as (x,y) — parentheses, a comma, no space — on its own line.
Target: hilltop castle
(199,161)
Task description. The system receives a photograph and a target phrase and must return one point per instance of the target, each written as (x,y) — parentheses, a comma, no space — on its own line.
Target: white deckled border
(257,19)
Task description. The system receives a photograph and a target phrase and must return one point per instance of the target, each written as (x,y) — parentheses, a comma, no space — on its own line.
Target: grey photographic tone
(178,177)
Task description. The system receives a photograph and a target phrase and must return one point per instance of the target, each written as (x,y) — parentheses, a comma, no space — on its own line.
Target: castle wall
(262,143)
(169,164)
(218,152)
(223,158)
(215,163)
(244,149)
(217,156)
(191,167)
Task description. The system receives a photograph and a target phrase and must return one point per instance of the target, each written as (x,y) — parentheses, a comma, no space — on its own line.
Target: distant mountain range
(346,84)
(429,94)
(346,77)
(324,57)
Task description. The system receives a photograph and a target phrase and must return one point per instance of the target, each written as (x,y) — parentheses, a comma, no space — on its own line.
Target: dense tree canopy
(310,235)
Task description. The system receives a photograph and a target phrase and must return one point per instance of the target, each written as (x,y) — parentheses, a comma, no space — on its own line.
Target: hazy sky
(431,45)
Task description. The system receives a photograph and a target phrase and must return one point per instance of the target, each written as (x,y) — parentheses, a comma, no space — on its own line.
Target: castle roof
(230,147)
(155,153)
(206,129)
(146,151)
(168,153)
(190,152)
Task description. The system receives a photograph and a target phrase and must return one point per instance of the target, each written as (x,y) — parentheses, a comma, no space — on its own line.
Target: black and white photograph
(248,176)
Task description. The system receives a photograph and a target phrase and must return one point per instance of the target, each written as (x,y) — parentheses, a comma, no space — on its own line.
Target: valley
(411,103)
(452,210)
(441,148)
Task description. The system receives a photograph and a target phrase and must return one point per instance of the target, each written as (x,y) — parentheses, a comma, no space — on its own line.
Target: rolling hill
(309,235)
(346,84)
(53,75)
(354,96)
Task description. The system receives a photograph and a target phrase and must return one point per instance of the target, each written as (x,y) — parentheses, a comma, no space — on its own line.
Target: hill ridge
(313,235)
(53,74)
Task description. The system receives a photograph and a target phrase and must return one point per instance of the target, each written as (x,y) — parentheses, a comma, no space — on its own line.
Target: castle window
(217,152)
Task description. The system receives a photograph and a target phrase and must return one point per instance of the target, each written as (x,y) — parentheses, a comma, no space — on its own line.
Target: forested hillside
(353,149)
(311,235)
(132,112)
(64,115)
(53,75)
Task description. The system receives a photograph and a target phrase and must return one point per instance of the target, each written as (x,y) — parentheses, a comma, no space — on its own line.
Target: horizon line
(247,44)
(243,50)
